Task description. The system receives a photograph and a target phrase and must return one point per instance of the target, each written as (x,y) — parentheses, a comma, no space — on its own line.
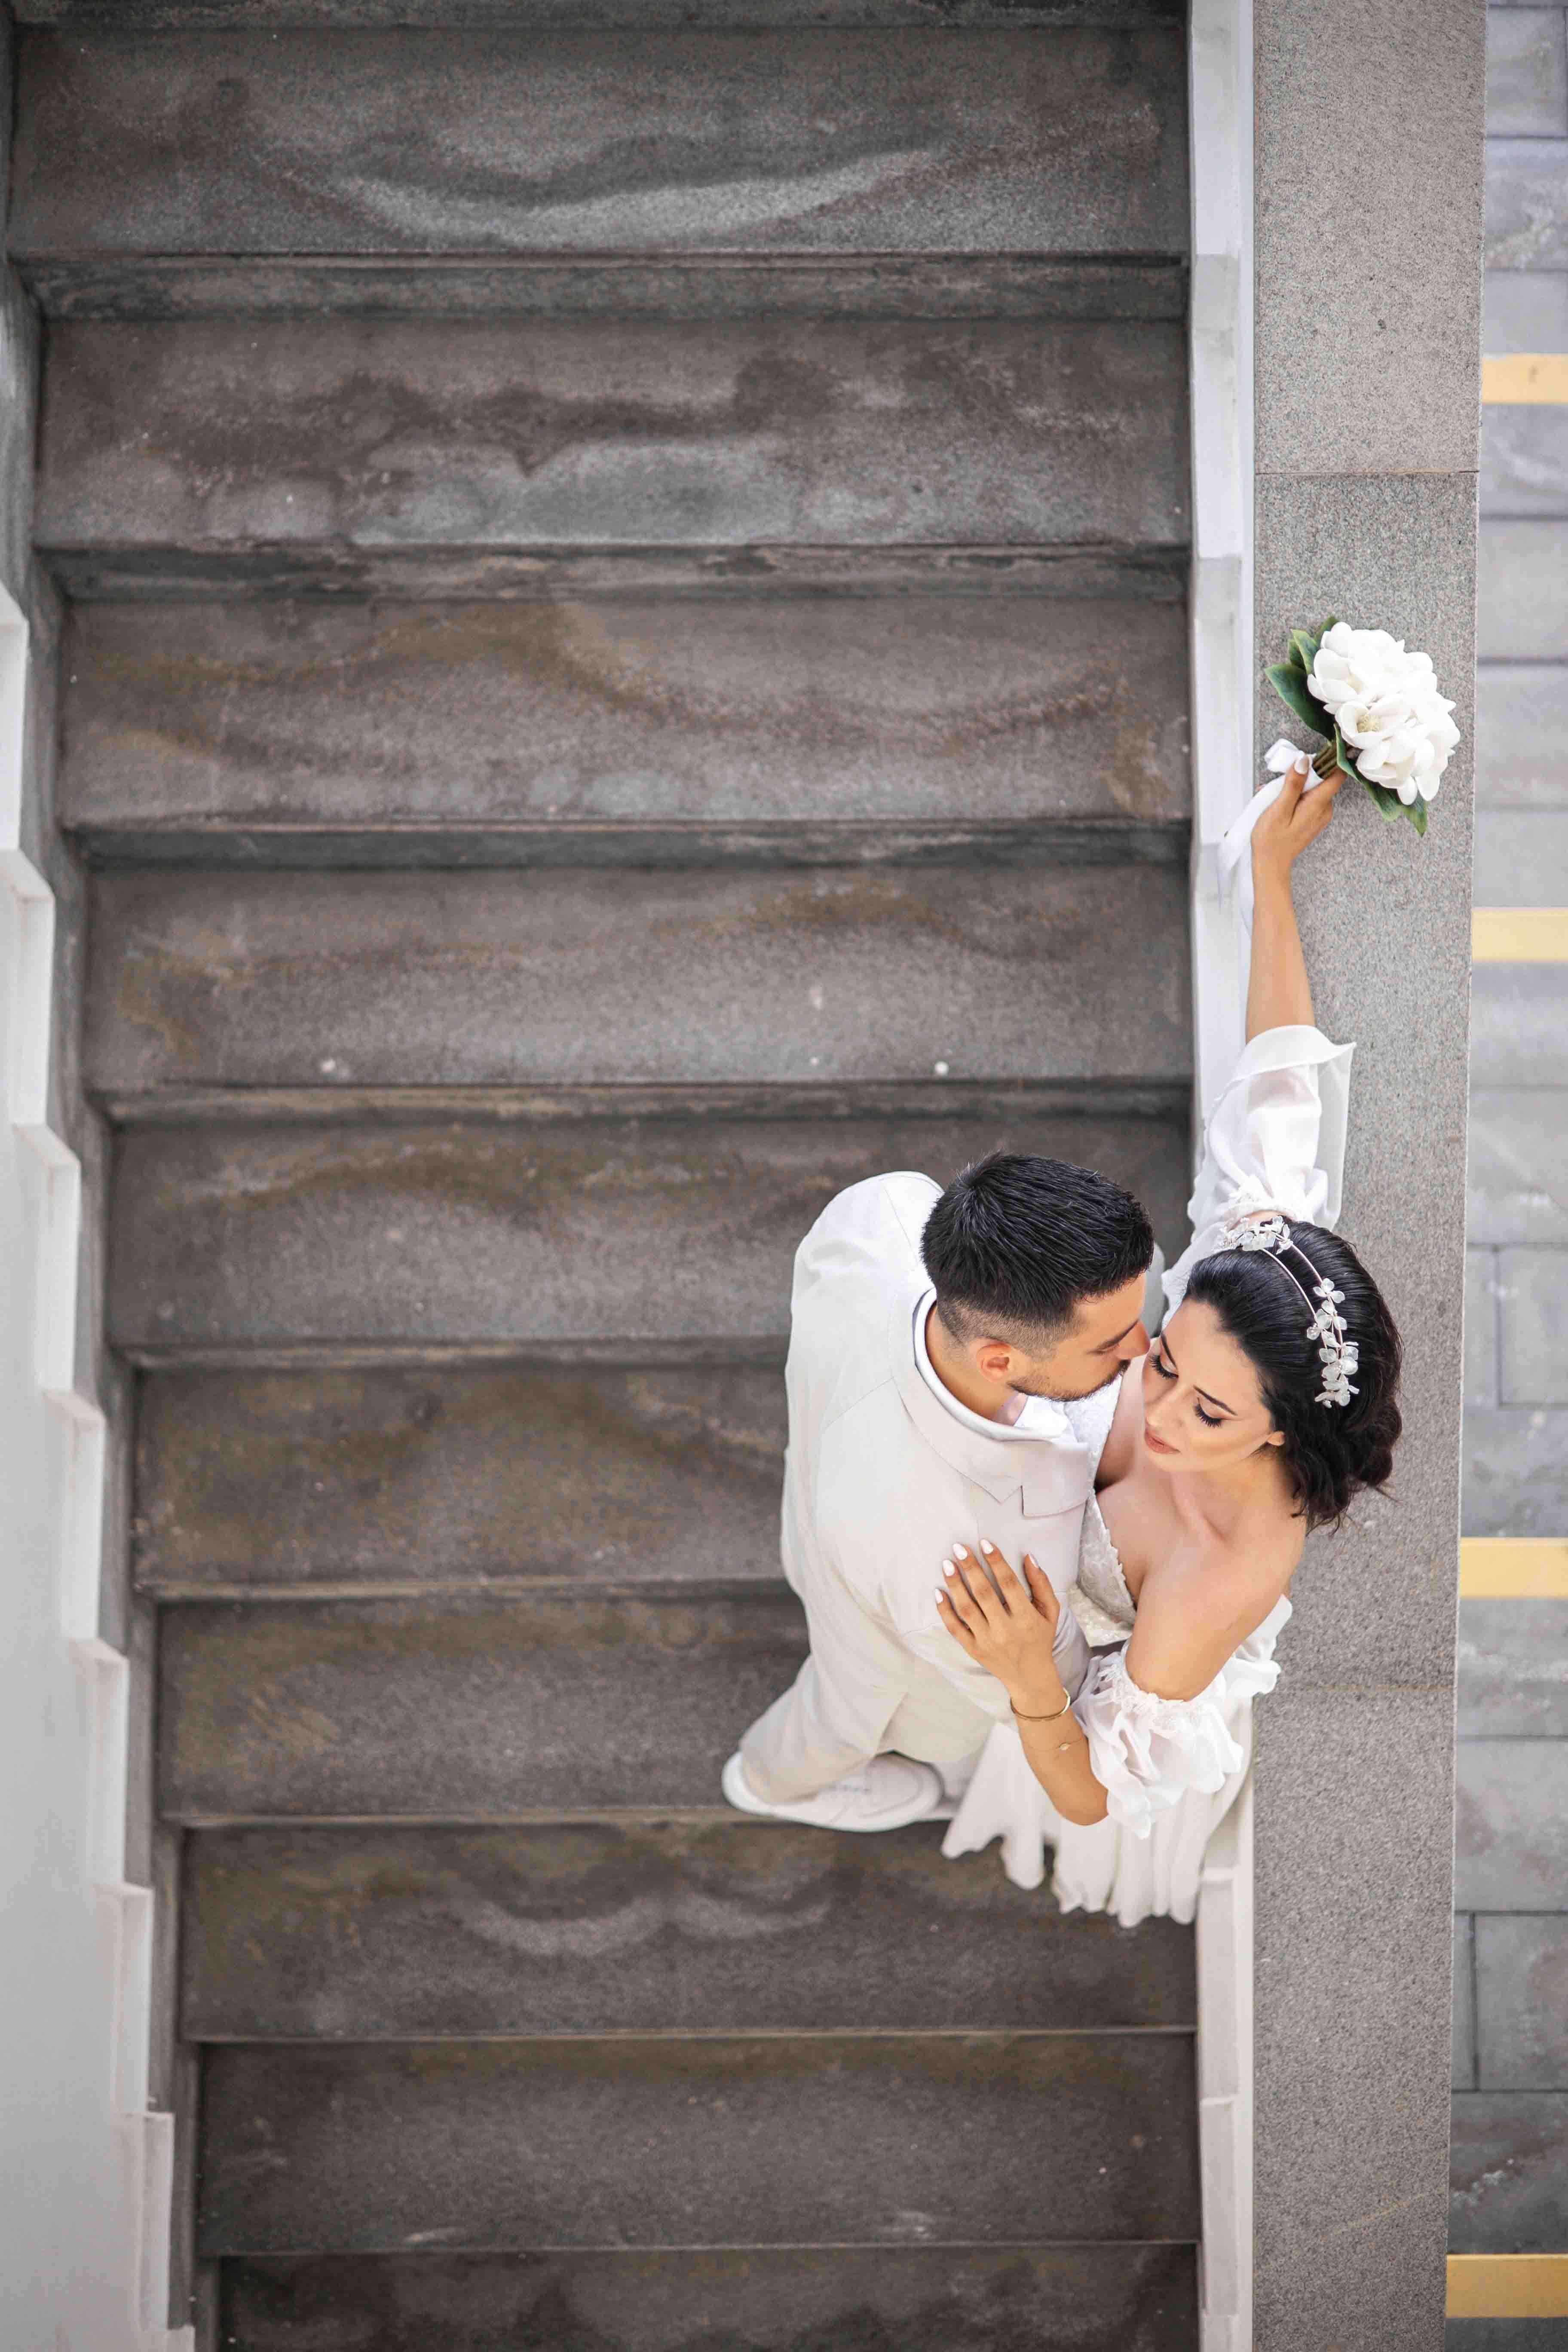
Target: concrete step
(656,286)
(521,1233)
(296,141)
(1115,2297)
(464,1707)
(98,16)
(400,1478)
(673,1925)
(636,729)
(202,982)
(335,452)
(729,2141)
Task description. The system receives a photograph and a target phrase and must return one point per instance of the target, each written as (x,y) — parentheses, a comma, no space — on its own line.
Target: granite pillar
(1368,226)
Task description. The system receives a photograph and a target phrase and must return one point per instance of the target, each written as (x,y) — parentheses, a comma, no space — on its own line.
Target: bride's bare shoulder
(1199,1606)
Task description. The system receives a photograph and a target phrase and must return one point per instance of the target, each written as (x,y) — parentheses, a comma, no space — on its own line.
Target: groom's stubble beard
(1067,1396)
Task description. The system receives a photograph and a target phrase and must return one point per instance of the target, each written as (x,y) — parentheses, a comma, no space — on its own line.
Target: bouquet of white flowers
(1379,708)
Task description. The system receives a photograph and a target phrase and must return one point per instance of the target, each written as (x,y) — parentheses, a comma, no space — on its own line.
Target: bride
(1265,1405)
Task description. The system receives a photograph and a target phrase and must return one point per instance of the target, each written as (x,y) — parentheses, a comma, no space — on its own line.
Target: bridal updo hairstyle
(1330,1452)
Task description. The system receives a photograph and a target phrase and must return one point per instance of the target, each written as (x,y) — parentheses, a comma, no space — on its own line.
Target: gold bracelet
(1055,1718)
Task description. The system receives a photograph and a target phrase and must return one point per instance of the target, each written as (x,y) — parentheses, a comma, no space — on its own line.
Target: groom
(931,1337)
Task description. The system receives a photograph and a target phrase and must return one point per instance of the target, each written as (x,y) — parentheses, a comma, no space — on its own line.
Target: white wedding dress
(1170,1768)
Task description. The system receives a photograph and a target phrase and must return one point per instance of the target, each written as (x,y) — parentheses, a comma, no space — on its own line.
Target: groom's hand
(1005,1626)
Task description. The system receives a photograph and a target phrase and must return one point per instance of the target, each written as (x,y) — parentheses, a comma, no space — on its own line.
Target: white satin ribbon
(1236,849)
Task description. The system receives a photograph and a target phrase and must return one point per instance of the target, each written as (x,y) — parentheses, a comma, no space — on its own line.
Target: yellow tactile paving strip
(1518,935)
(1508,2286)
(1525,377)
(1514,1567)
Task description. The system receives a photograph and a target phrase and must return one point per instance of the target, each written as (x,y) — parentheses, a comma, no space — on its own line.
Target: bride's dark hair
(1330,1452)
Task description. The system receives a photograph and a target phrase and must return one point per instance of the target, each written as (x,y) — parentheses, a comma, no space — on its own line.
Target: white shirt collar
(1037,1417)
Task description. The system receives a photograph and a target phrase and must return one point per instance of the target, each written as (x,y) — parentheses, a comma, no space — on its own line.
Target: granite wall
(1368,226)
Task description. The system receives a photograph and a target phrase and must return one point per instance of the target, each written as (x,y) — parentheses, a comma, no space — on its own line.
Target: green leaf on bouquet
(1389,805)
(1290,685)
(1303,650)
(1417,812)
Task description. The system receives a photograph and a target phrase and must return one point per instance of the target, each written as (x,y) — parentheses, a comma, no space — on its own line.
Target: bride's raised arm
(1276,1136)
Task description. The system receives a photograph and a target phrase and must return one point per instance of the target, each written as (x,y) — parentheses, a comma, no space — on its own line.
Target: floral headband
(1339,1357)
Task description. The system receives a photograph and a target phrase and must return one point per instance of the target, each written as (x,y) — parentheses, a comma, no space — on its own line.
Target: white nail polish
(939,1593)
(948,1568)
(960,1551)
(988,1547)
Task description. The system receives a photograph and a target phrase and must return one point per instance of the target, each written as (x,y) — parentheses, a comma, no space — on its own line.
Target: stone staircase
(624,666)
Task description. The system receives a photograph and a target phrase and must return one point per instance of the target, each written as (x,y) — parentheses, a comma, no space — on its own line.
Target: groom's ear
(994,1358)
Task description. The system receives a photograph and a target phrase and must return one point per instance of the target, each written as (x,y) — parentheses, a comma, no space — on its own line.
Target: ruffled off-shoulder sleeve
(1147,1752)
(1275,1140)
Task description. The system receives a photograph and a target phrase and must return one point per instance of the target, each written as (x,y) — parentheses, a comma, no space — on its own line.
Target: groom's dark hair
(1015,1242)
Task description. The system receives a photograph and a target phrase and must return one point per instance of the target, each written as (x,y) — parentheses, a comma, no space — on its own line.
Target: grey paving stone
(458,434)
(1509,2173)
(1521,735)
(1522,857)
(1518,1026)
(1104,2298)
(1525,310)
(1513,1667)
(1512,1825)
(1521,580)
(1532,1293)
(1521,2003)
(520,1232)
(1527,204)
(657,1927)
(1524,457)
(1503,2335)
(1464,2076)
(1516,1471)
(820,976)
(1518,1168)
(1480,1328)
(697,2143)
(388,1477)
(669,728)
(740,141)
(1527,74)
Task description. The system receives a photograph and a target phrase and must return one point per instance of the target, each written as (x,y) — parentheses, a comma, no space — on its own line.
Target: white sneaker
(887,1792)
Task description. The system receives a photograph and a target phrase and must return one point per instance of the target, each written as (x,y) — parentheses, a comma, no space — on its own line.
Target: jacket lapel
(1052,1473)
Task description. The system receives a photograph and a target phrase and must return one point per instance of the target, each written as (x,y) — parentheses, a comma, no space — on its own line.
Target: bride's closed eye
(1167,1371)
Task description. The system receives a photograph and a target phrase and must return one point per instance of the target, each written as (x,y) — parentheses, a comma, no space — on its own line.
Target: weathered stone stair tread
(300,141)
(324,437)
(577,977)
(682,729)
(531,1231)
(572,15)
(464,1707)
(1115,2297)
(681,1924)
(404,1477)
(824,2140)
(657,286)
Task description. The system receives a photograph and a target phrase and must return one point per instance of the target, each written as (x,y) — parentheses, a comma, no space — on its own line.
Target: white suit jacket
(883,1475)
